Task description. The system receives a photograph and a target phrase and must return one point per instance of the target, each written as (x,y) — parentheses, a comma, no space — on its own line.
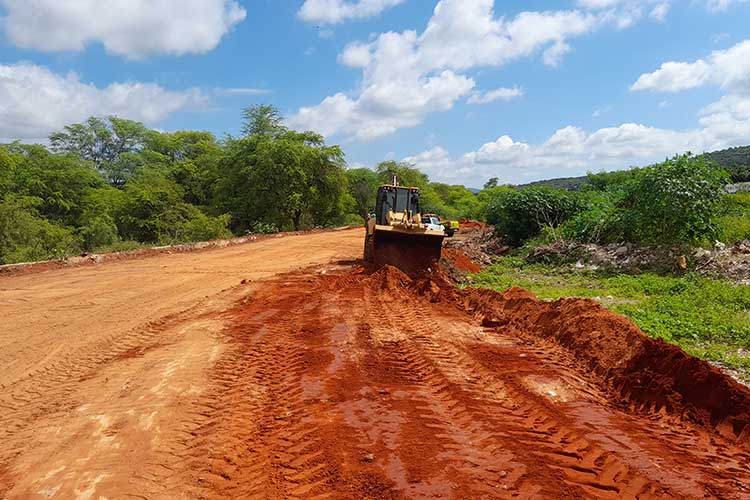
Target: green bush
(263,228)
(679,200)
(520,214)
(203,228)
(600,221)
(99,232)
(25,237)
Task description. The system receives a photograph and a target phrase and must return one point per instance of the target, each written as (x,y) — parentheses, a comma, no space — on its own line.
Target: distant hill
(735,160)
(568,183)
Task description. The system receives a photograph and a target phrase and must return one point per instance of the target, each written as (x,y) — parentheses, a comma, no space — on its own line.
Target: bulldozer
(397,235)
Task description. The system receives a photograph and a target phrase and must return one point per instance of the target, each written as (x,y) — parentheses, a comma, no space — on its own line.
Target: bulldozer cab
(395,199)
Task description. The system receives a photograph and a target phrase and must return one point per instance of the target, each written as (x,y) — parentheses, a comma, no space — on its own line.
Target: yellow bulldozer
(396,233)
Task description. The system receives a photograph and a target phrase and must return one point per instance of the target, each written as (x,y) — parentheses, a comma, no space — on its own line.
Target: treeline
(113,184)
(679,201)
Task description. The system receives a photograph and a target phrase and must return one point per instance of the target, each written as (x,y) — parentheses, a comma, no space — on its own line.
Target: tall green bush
(520,214)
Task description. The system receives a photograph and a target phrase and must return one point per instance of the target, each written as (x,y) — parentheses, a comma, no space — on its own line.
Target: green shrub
(203,228)
(520,214)
(735,223)
(99,232)
(263,228)
(599,222)
(26,237)
(679,200)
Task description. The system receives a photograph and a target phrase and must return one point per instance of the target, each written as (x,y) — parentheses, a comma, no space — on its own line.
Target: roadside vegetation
(113,184)
(678,204)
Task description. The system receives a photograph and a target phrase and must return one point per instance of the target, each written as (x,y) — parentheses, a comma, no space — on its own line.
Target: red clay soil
(462,261)
(354,384)
(465,224)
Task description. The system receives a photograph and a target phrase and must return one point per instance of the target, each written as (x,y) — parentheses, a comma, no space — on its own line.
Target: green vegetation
(679,201)
(736,161)
(707,317)
(735,222)
(113,184)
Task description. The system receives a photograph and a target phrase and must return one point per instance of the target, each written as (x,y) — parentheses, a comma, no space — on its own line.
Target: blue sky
(464,89)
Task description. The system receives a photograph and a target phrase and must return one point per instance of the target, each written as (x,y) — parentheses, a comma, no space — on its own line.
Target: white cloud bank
(408,75)
(134,29)
(337,11)
(34,101)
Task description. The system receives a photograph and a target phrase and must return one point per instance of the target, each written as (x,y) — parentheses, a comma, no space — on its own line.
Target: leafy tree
(263,119)
(363,186)
(676,201)
(102,143)
(491,183)
(406,173)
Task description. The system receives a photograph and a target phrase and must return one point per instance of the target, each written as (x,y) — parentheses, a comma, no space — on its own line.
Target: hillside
(735,160)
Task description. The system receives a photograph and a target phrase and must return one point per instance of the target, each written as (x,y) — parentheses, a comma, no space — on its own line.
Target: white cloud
(408,75)
(501,94)
(34,101)
(240,91)
(573,151)
(124,27)
(336,11)
(721,5)
(729,69)
(660,11)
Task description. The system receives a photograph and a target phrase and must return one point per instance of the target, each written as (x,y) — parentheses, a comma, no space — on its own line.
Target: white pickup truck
(432,222)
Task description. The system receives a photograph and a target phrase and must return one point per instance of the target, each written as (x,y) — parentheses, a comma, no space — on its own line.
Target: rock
(579,265)
(701,253)
(621,251)
(719,245)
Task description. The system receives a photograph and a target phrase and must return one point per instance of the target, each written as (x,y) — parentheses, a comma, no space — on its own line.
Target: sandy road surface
(339,382)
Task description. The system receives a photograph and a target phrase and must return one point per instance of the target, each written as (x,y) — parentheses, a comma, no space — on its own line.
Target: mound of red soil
(645,372)
(462,261)
(465,224)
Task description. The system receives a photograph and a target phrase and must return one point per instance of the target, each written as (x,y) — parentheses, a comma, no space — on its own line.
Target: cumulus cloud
(408,75)
(337,11)
(34,101)
(501,94)
(572,151)
(123,27)
(729,69)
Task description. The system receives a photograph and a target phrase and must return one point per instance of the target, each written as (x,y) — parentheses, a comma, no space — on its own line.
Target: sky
(465,90)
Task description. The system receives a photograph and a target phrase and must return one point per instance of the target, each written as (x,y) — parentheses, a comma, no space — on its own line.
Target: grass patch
(709,318)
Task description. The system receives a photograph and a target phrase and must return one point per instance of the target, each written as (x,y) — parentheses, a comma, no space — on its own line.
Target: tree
(406,174)
(262,119)
(491,183)
(675,201)
(363,186)
(102,143)
(291,178)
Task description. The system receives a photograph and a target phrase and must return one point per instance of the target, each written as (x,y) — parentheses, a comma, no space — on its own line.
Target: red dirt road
(175,381)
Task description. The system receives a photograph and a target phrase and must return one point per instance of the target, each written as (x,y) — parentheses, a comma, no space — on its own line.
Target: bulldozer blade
(415,254)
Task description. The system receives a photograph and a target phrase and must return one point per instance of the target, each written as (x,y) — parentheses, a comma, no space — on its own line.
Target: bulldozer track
(340,382)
